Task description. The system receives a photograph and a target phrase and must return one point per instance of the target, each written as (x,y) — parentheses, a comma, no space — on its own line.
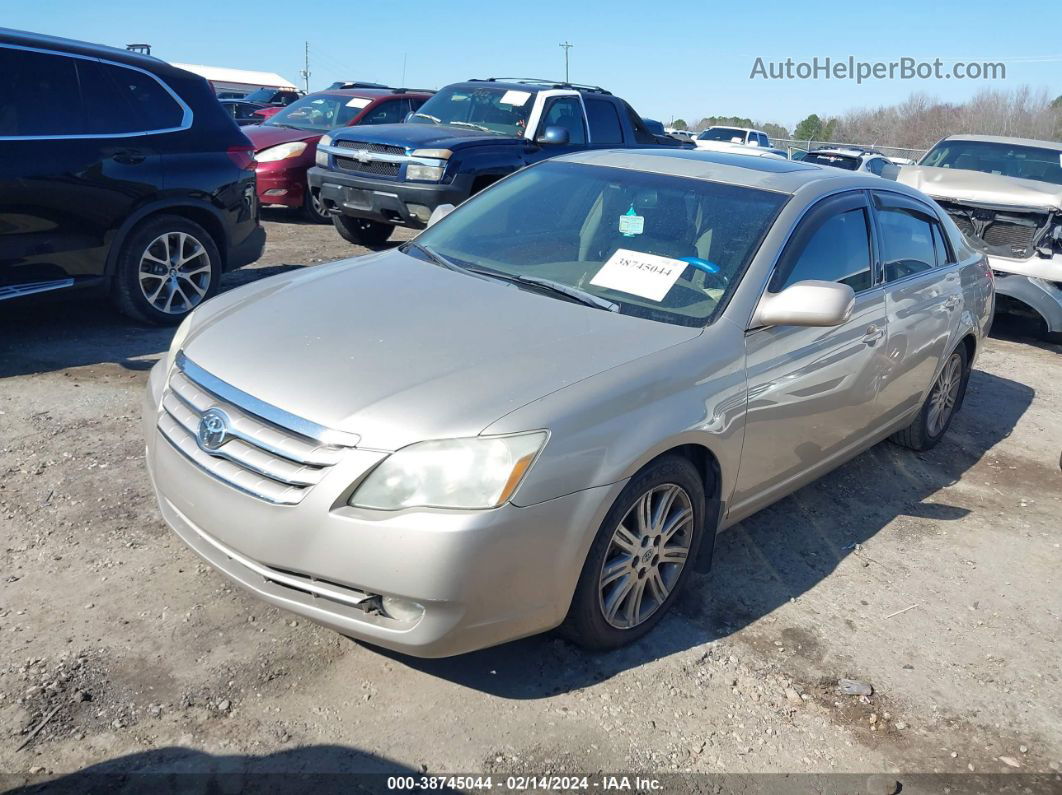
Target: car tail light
(242,156)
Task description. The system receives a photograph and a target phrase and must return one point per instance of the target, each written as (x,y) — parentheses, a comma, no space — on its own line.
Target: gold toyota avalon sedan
(540,412)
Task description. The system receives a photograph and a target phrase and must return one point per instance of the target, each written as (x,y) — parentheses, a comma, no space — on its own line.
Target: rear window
(731,134)
(837,161)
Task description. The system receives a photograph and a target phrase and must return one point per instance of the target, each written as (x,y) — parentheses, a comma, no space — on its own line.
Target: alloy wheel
(646,556)
(175,272)
(944,396)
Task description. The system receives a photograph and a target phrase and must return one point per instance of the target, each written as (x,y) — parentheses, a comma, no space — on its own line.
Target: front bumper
(247,250)
(483,577)
(281,186)
(402,203)
(1035,266)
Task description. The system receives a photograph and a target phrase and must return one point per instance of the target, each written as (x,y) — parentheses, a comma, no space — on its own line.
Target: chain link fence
(794,145)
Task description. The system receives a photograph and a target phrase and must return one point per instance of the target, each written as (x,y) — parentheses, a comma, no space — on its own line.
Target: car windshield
(722,134)
(487,108)
(668,249)
(261,95)
(1008,160)
(320,112)
(830,159)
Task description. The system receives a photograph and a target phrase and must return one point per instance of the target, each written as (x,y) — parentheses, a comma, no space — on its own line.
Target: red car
(286,142)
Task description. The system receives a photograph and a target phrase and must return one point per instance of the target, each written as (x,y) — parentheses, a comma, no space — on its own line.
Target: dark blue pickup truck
(373,178)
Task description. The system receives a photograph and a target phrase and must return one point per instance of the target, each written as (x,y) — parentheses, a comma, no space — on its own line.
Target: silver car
(539,413)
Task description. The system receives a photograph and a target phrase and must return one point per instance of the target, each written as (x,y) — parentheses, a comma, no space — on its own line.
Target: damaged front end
(1011,233)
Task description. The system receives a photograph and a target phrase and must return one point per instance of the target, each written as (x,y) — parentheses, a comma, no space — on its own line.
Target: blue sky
(687,59)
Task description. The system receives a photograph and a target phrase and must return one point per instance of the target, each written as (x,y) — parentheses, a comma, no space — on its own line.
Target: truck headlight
(424,173)
(280,152)
(320,158)
(474,473)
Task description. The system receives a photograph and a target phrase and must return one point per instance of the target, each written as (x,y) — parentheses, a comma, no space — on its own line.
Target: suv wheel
(939,409)
(312,207)
(641,557)
(361,231)
(167,266)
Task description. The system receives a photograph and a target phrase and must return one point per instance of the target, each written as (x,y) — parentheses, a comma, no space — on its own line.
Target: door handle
(129,157)
(873,333)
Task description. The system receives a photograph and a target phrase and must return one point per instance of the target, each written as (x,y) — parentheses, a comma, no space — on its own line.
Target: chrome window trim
(186,119)
(260,408)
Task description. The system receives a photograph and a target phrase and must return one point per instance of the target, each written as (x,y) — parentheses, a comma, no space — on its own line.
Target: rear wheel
(361,231)
(640,558)
(167,266)
(939,409)
(312,208)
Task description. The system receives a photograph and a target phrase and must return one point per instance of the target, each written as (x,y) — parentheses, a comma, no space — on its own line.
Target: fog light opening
(400,609)
(420,212)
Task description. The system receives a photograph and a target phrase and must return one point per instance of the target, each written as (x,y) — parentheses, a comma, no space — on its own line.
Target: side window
(641,132)
(762,139)
(152,105)
(38,94)
(604,121)
(414,104)
(838,251)
(390,112)
(566,112)
(907,242)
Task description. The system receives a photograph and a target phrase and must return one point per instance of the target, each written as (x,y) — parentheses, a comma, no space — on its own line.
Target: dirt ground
(935,578)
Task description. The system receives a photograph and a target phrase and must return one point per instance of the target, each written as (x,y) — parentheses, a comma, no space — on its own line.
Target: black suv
(118,173)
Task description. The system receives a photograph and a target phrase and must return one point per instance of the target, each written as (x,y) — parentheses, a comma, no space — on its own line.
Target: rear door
(812,392)
(923,293)
(78,158)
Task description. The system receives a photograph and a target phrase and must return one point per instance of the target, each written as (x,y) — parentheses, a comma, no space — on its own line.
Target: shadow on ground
(45,336)
(312,768)
(763,562)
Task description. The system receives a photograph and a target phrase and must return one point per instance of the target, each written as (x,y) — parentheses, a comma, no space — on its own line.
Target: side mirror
(554,136)
(808,303)
(440,212)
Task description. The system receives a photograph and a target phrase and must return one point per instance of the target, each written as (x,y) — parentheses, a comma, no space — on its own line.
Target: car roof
(22,38)
(529,84)
(1003,139)
(765,173)
(370,93)
(843,152)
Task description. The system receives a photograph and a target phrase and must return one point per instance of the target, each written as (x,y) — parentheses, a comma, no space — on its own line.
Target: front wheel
(939,409)
(640,558)
(312,208)
(361,231)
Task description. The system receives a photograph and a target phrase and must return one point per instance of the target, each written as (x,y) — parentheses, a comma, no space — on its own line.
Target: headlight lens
(424,173)
(320,158)
(281,152)
(326,140)
(481,472)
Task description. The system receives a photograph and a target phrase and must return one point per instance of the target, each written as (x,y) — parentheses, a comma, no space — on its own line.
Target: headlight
(424,173)
(440,154)
(280,152)
(326,140)
(480,472)
(320,158)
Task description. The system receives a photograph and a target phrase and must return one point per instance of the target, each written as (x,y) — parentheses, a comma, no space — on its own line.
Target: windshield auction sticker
(515,97)
(641,274)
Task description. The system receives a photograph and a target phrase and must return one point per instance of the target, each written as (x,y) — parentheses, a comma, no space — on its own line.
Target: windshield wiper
(427,116)
(582,296)
(436,257)
(469,124)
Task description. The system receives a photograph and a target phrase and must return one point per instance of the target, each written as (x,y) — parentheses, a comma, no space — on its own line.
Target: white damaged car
(1005,194)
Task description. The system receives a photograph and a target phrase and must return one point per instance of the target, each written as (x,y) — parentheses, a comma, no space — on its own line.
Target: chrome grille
(256,456)
(365,146)
(381,168)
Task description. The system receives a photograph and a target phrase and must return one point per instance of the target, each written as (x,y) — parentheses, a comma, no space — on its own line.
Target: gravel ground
(932,577)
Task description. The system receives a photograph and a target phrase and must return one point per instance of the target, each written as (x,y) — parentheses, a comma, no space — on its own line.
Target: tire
(153,286)
(312,209)
(361,231)
(929,427)
(601,616)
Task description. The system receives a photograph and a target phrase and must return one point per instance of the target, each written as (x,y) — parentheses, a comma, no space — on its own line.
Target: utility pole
(306,70)
(567,46)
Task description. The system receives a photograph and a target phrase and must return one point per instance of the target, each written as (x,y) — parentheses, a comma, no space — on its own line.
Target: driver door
(564,111)
(812,392)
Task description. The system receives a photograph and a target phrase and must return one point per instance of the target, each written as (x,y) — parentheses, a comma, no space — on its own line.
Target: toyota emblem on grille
(213,429)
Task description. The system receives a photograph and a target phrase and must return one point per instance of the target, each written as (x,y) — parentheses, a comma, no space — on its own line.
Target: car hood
(960,185)
(263,136)
(422,136)
(397,350)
